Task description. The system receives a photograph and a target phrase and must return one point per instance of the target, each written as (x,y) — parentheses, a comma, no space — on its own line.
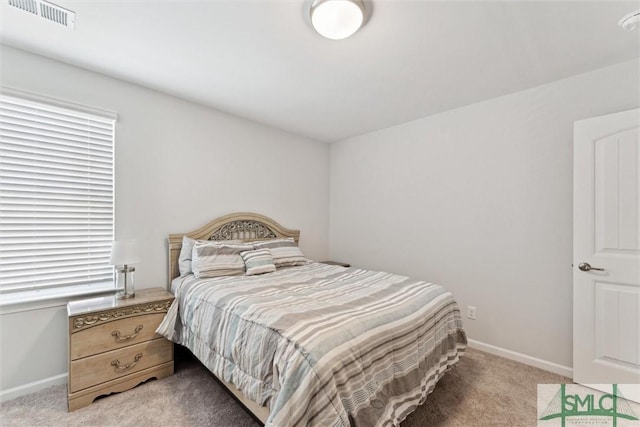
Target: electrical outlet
(471,312)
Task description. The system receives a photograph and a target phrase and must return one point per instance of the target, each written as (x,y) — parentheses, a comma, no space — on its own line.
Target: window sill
(35,300)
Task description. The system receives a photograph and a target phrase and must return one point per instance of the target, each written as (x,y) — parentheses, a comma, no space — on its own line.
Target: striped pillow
(184,259)
(285,252)
(258,261)
(213,259)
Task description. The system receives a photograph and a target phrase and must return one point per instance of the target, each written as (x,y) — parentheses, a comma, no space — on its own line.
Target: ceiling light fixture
(630,21)
(337,19)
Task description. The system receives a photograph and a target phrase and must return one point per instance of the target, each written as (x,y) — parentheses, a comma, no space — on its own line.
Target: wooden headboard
(243,226)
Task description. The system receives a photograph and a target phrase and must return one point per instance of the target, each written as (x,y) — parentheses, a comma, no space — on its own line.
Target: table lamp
(123,254)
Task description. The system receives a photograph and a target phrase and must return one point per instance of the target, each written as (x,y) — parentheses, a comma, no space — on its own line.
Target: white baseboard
(32,387)
(522,358)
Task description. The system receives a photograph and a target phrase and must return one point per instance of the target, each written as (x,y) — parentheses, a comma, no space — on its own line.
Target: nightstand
(343,264)
(113,345)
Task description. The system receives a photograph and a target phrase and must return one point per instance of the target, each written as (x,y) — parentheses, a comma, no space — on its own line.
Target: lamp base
(125,282)
(122,295)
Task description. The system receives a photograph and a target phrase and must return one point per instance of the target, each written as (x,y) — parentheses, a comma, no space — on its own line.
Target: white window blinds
(56,197)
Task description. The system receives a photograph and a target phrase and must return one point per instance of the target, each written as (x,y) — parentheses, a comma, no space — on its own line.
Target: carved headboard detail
(243,230)
(243,226)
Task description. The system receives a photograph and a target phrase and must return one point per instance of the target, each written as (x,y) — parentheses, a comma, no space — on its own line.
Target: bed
(313,343)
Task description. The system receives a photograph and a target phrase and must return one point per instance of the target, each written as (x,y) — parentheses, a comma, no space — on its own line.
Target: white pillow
(184,260)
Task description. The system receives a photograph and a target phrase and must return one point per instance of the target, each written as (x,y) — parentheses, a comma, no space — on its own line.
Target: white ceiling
(262,60)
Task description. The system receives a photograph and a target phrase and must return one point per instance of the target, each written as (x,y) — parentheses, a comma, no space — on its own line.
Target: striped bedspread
(321,345)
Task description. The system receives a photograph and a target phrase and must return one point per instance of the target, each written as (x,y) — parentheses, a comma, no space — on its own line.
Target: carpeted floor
(482,390)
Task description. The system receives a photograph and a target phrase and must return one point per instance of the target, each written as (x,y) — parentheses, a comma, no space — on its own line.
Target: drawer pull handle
(116,363)
(135,333)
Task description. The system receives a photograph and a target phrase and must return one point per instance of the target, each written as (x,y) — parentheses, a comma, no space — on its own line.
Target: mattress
(321,344)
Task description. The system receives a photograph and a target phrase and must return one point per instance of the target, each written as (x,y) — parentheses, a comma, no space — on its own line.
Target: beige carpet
(482,390)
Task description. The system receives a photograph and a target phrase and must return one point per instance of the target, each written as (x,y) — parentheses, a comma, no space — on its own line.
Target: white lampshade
(124,252)
(337,19)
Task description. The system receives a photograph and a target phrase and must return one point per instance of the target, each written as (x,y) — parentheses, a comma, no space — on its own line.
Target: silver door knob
(584,266)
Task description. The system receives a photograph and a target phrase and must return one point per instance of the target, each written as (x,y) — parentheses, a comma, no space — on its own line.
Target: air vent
(46,10)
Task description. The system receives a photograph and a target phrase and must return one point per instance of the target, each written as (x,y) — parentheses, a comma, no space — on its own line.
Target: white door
(606,235)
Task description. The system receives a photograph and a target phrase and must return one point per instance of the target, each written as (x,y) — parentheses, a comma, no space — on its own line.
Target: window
(56,200)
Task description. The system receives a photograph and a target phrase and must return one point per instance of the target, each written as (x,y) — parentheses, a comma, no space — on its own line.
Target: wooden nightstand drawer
(114,335)
(114,364)
(113,345)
